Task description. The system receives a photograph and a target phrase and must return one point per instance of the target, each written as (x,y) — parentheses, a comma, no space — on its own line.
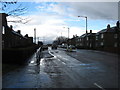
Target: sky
(52,19)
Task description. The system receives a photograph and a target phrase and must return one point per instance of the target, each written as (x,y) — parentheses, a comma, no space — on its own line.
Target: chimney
(19,31)
(11,27)
(3,19)
(26,35)
(117,24)
(108,27)
(90,31)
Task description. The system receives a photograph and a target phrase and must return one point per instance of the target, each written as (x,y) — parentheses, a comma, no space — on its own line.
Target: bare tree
(14,9)
(61,40)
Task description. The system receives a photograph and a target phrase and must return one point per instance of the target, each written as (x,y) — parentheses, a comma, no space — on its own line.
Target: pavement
(61,69)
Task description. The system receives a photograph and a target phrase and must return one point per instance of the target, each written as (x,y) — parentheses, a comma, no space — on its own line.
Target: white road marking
(99,86)
(59,59)
(51,54)
(63,63)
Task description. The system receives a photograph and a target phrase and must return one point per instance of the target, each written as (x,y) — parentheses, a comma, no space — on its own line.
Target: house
(90,40)
(86,41)
(108,39)
(73,41)
(11,38)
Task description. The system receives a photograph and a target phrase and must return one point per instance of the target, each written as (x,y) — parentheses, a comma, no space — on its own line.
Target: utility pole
(86,21)
(68,33)
(35,35)
(61,34)
(68,37)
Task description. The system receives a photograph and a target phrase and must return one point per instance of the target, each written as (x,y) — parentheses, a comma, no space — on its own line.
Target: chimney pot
(108,26)
(90,31)
(11,27)
(117,24)
(26,35)
(19,31)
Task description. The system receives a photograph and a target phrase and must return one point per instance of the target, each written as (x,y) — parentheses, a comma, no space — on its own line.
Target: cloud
(38,1)
(51,17)
(95,10)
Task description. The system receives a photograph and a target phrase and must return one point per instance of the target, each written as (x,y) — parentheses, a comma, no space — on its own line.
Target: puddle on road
(83,64)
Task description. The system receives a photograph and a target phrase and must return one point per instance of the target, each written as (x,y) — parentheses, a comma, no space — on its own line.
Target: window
(80,44)
(96,37)
(87,38)
(101,43)
(90,45)
(102,36)
(115,36)
(80,39)
(3,31)
(115,44)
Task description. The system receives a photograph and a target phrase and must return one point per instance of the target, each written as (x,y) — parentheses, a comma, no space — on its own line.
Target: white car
(72,46)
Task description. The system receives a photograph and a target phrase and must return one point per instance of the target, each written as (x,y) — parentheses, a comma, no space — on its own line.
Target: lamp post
(35,35)
(86,21)
(68,37)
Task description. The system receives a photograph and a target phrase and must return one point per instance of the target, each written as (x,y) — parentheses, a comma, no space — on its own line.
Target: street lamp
(68,31)
(68,36)
(86,21)
(35,35)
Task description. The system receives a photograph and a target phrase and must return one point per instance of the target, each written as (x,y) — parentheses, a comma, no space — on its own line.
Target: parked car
(64,46)
(54,46)
(60,46)
(72,47)
(45,47)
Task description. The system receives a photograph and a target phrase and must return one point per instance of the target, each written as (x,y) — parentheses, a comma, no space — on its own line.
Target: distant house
(73,41)
(81,42)
(108,39)
(90,40)
(86,41)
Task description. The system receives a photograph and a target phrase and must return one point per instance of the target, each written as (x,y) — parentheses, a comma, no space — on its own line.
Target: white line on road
(59,59)
(55,56)
(99,86)
(63,63)
(51,54)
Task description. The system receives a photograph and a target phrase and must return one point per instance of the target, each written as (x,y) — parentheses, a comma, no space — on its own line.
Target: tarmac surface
(61,69)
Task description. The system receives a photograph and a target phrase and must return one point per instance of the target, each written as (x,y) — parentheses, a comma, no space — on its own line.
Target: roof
(18,34)
(112,29)
(91,34)
(82,36)
(87,34)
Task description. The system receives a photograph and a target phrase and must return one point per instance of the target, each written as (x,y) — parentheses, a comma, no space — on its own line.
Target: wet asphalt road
(61,69)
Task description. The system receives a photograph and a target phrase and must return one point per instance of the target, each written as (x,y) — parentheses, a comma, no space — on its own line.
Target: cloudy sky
(49,18)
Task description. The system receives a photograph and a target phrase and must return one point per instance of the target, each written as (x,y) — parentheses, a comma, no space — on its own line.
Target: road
(61,69)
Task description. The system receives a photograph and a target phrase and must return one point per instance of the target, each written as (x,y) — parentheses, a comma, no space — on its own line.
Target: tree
(14,9)
(61,40)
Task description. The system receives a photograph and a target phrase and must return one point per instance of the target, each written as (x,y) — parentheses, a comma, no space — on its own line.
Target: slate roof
(14,32)
(112,29)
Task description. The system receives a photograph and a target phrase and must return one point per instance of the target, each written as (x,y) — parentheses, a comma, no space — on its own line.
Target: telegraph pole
(86,21)
(35,35)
